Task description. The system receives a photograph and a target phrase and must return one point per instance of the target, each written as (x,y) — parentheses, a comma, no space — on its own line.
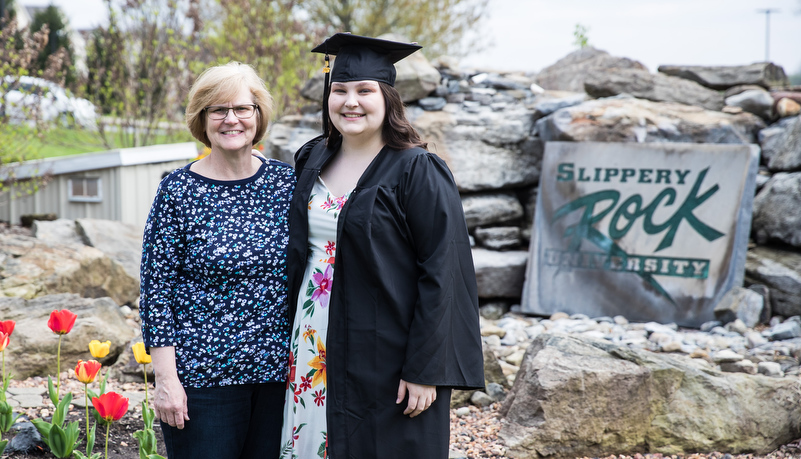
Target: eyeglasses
(220,112)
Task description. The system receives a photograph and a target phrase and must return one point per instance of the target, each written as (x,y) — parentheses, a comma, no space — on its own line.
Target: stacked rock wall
(491,129)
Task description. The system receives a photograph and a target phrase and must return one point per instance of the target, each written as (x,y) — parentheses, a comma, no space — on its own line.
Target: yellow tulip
(140,354)
(98,349)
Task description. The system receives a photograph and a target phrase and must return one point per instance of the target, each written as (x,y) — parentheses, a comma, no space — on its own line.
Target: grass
(61,141)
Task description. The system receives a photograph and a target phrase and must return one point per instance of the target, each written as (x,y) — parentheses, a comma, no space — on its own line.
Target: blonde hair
(223,83)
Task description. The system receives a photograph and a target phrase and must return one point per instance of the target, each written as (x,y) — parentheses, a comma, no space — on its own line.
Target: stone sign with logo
(652,232)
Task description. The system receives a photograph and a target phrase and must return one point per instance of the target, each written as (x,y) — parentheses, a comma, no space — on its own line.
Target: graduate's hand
(420,397)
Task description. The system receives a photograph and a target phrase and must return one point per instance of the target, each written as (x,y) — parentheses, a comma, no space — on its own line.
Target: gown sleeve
(444,344)
(162,252)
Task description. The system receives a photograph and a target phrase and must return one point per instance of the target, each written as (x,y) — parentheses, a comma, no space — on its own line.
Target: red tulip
(61,322)
(7,327)
(4,337)
(87,371)
(111,406)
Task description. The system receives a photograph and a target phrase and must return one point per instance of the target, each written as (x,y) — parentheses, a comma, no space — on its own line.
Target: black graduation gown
(404,302)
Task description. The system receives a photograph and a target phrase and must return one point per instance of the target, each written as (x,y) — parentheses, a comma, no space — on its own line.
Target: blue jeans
(229,422)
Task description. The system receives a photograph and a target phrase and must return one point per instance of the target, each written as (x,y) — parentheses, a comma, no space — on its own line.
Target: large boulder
(568,73)
(485,149)
(656,87)
(776,216)
(626,119)
(778,270)
(773,140)
(764,74)
(34,346)
(60,231)
(578,396)
(32,268)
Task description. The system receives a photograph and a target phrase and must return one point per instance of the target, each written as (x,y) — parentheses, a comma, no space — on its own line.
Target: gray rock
(726,356)
(35,345)
(764,292)
(480,399)
(707,326)
(577,397)
(27,439)
(739,89)
(122,242)
(775,216)
(754,339)
(496,392)
(740,366)
(787,153)
(500,274)
(740,304)
(783,331)
(493,311)
(777,269)
(461,412)
(738,326)
(772,369)
(764,74)
(626,119)
(756,101)
(655,87)
(492,209)
(289,134)
(483,148)
(432,103)
(552,101)
(568,73)
(499,238)
(771,139)
(61,231)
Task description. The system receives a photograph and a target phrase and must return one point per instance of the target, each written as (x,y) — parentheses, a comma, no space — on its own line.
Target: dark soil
(121,442)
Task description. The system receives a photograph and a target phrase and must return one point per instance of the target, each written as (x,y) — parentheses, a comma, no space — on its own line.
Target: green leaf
(51,390)
(3,444)
(61,410)
(90,440)
(44,429)
(58,441)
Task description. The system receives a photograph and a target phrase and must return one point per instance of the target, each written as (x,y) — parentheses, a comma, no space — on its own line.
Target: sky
(529,35)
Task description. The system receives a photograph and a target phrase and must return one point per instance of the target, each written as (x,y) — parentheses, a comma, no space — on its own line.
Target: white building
(113,185)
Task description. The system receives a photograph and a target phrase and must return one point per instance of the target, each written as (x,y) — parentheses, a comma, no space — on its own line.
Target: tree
(7,11)
(58,43)
(270,36)
(141,66)
(18,54)
(440,25)
(580,38)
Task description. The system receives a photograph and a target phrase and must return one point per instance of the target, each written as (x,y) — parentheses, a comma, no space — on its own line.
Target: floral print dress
(304,433)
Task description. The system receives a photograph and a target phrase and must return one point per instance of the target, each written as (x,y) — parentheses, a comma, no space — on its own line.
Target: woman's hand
(420,397)
(169,397)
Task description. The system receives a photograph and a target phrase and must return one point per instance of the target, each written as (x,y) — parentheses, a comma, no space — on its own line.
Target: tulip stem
(108,425)
(58,369)
(144,370)
(86,402)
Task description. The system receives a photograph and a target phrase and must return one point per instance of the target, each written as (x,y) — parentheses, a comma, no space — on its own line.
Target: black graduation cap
(364,58)
(360,58)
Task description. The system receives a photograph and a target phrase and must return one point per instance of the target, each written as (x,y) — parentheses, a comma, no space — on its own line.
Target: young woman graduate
(382,288)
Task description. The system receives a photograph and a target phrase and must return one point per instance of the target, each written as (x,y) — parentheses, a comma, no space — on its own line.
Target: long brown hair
(397,132)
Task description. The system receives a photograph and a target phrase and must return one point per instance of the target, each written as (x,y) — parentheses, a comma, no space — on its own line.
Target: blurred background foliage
(139,67)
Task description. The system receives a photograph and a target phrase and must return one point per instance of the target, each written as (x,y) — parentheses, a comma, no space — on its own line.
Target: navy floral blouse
(214,275)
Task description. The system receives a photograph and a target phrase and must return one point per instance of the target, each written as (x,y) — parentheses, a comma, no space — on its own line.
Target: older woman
(213,296)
